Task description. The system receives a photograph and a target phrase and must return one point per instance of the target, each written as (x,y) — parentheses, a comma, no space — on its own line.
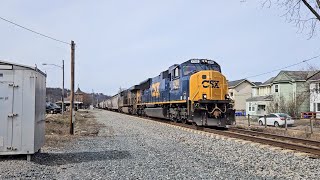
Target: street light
(62,67)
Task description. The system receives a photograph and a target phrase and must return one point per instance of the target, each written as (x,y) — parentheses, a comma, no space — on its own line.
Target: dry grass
(301,129)
(58,128)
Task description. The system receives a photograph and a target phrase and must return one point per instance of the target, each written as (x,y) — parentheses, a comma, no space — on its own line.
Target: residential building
(315,93)
(261,98)
(239,91)
(288,92)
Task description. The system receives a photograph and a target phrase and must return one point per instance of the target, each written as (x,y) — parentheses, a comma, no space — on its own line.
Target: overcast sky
(122,42)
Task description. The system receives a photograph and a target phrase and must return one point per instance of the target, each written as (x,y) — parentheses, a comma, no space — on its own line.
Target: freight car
(192,92)
(112,103)
(101,105)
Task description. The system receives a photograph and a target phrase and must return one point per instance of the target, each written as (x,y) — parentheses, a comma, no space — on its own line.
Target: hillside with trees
(54,95)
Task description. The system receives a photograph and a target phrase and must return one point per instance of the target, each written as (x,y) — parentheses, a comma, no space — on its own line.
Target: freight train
(192,92)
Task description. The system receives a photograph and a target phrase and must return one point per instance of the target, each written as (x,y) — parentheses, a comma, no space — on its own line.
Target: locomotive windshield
(191,68)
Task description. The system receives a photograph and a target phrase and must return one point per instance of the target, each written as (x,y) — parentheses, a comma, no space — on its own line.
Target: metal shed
(22,109)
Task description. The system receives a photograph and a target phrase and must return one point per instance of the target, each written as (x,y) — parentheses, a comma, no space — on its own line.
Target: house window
(250,106)
(253,108)
(318,87)
(318,109)
(231,94)
(276,88)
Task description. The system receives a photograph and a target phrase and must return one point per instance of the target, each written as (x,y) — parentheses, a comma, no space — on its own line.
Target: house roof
(293,75)
(315,76)
(67,101)
(257,83)
(296,75)
(233,84)
(260,98)
(268,82)
(79,91)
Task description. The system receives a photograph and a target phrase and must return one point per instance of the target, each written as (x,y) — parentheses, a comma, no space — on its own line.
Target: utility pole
(72,89)
(92,98)
(62,87)
(62,91)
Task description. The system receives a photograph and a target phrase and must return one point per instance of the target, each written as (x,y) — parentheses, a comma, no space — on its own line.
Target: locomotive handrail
(196,94)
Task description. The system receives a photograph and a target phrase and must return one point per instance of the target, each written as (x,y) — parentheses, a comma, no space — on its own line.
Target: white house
(261,97)
(315,94)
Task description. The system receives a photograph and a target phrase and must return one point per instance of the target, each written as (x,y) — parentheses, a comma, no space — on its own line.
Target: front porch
(258,106)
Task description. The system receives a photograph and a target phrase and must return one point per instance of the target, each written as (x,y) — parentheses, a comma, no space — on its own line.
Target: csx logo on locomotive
(210,83)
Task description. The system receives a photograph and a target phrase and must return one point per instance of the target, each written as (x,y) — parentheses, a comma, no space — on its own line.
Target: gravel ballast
(134,148)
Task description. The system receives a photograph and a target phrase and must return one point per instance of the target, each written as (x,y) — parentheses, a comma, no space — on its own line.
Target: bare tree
(289,106)
(294,102)
(305,14)
(277,105)
(87,99)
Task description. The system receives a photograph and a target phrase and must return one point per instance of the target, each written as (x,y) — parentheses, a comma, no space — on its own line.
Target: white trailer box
(22,109)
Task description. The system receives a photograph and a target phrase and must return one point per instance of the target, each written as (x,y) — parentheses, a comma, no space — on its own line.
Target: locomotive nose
(208,85)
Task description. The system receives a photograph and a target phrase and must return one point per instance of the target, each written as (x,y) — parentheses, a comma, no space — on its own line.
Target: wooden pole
(62,88)
(265,121)
(72,89)
(286,124)
(311,124)
(248,120)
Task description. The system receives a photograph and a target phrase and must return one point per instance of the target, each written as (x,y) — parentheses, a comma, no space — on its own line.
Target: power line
(34,31)
(304,61)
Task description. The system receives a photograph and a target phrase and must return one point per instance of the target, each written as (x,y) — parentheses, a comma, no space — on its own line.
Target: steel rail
(269,139)
(272,142)
(278,137)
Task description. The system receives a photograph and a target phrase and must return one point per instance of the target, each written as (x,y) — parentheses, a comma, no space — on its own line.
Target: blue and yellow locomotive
(194,91)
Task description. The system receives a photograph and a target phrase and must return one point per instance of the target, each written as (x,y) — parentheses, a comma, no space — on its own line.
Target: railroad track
(307,142)
(285,142)
(296,144)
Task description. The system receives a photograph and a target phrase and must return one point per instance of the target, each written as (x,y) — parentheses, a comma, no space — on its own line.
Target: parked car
(276,119)
(52,108)
(60,105)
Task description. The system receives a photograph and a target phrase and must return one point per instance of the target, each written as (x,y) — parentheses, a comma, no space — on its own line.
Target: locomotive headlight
(204,96)
(227,96)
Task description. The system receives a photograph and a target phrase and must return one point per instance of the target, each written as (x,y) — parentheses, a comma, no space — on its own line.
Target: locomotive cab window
(195,67)
(188,69)
(176,73)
